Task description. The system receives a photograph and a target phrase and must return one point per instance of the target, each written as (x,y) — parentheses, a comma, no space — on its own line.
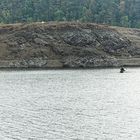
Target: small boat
(122,70)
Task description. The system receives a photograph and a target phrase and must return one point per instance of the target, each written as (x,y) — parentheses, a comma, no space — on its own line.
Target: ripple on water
(70,104)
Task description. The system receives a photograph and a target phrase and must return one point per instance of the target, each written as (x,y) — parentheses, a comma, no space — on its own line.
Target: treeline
(113,12)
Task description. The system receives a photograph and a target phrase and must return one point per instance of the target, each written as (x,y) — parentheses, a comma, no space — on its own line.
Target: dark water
(70,105)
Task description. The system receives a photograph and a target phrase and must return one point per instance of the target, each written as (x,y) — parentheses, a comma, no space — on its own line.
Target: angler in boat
(122,70)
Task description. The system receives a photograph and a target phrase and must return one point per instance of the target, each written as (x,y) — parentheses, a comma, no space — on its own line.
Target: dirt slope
(59,45)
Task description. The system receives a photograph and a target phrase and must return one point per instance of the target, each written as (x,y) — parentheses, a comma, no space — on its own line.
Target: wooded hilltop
(112,12)
(69,33)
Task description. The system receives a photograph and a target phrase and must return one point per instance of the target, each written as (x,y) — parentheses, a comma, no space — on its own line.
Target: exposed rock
(79,38)
(74,45)
(40,41)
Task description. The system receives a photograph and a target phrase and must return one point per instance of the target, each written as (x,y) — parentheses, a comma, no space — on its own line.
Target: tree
(111,12)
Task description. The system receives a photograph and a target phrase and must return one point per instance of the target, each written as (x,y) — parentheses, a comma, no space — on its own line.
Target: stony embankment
(68,45)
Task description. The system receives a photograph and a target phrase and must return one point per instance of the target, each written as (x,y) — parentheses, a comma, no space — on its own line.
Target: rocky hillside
(68,45)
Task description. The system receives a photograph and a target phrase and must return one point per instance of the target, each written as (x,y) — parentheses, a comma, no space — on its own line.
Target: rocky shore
(68,45)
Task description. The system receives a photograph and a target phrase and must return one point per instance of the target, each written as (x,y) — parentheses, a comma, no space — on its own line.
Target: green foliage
(113,12)
(59,15)
(125,21)
(138,25)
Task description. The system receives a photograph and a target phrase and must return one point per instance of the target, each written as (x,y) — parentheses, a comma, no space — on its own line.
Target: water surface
(70,105)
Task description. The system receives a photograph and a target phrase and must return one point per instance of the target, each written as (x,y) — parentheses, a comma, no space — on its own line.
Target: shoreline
(53,69)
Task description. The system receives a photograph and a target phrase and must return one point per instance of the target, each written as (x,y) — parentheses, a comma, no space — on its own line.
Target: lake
(95,104)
